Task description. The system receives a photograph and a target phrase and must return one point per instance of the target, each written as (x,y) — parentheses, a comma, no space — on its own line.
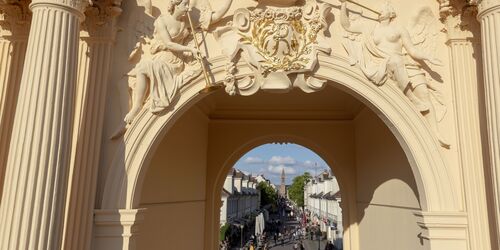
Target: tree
(267,194)
(296,190)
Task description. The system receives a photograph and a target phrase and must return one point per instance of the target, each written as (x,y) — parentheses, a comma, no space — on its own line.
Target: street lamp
(241,235)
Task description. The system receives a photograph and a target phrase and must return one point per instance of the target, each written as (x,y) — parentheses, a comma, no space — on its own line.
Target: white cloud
(282,160)
(276,169)
(308,164)
(253,160)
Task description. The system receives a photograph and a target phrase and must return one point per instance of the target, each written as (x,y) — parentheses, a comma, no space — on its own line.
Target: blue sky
(270,159)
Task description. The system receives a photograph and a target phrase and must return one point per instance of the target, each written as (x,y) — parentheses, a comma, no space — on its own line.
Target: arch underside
(435,186)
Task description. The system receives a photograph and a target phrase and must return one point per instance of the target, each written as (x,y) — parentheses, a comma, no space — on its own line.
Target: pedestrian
(296,246)
(301,246)
(251,247)
(329,246)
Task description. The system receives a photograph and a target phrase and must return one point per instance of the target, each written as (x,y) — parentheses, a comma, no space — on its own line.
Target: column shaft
(32,208)
(466,100)
(489,16)
(95,54)
(14,28)
(92,85)
(12,54)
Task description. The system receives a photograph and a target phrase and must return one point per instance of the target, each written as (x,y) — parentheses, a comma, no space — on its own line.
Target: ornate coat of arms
(279,44)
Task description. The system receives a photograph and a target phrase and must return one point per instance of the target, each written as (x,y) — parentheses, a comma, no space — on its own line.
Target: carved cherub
(165,70)
(389,51)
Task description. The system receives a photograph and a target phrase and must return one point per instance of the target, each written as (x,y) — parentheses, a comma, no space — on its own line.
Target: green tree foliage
(296,190)
(267,194)
(224,231)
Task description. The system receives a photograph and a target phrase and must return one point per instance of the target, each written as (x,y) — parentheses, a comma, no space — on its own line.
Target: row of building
(240,196)
(322,204)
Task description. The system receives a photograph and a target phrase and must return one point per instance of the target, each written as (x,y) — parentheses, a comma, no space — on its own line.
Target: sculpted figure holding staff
(165,70)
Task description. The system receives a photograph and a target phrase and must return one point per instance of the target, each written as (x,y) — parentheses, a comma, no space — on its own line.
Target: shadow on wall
(386,191)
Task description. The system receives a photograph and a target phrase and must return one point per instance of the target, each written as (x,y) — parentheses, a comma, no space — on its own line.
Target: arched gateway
(390,98)
(252,61)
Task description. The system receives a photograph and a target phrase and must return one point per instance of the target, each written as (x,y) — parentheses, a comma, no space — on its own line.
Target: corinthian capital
(15,18)
(100,18)
(459,17)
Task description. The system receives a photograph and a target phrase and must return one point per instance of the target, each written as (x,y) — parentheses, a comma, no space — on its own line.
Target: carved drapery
(381,58)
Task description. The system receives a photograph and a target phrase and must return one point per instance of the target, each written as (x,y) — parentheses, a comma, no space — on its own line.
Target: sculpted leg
(422,93)
(398,69)
(139,92)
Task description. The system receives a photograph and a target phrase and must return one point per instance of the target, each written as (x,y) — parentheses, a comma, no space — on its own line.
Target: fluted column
(97,37)
(32,208)
(14,27)
(464,54)
(489,17)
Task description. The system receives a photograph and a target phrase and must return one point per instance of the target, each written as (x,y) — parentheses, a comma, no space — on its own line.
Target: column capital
(15,18)
(459,18)
(75,5)
(486,6)
(100,20)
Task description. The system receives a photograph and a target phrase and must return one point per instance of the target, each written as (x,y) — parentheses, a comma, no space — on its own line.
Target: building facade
(119,120)
(322,201)
(240,197)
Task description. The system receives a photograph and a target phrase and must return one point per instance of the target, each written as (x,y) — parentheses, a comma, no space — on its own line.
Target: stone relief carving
(389,51)
(279,42)
(173,60)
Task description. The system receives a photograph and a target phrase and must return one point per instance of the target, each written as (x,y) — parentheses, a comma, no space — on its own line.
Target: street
(288,244)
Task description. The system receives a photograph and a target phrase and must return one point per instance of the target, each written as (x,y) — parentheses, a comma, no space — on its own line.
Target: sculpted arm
(413,51)
(219,13)
(164,35)
(345,22)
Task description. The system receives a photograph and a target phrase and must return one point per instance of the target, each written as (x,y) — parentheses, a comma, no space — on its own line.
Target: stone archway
(438,199)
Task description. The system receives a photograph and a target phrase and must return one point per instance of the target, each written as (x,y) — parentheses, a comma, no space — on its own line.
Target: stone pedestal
(95,53)
(116,229)
(14,27)
(489,17)
(32,208)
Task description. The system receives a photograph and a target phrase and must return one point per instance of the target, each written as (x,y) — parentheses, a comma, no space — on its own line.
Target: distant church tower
(282,192)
